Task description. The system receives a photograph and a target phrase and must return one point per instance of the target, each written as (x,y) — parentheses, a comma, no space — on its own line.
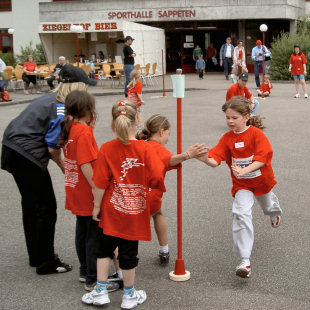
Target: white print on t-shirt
(71,172)
(244,162)
(129,198)
(128,164)
(66,145)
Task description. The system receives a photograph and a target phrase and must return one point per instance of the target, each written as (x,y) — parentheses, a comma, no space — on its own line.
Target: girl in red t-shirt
(298,70)
(135,89)
(248,154)
(125,171)
(80,153)
(156,131)
(265,87)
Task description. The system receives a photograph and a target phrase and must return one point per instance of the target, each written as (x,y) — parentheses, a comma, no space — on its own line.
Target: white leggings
(242,226)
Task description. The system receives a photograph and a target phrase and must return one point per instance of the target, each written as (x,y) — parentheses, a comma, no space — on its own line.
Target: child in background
(265,87)
(248,154)
(200,66)
(156,131)
(135,89)
(122,183)
(80,153)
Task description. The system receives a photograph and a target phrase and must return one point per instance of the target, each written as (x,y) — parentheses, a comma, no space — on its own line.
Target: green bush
(37,53)
(7,58)
(281,49)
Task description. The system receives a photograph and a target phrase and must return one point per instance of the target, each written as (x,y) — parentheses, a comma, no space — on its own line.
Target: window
(5,5)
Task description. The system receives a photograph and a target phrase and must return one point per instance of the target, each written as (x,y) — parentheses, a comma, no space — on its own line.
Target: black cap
(243,76)
(71,74)
(129,38)
(296,45)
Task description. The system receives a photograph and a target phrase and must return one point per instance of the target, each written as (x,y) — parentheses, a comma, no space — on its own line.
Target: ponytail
(134,75)
(124,115)
(256,121)
(153,124)
(65,130)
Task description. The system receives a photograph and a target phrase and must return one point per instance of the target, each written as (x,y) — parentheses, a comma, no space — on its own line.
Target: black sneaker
(164,257)
(56,266)
(115,278)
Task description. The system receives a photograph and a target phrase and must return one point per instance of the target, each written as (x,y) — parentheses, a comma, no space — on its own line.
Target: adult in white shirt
(2,65)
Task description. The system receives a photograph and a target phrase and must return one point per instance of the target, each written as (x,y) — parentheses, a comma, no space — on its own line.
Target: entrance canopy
(106,36)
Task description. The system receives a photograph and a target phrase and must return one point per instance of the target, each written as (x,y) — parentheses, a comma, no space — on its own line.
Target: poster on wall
(189,38)
(188,45)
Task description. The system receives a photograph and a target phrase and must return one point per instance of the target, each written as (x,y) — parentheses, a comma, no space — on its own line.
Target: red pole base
(179,274)
(179,268)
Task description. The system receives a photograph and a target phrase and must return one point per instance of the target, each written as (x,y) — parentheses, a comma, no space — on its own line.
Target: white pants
(242,226)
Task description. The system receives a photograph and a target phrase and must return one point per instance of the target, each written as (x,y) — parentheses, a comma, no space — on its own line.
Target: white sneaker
(26,92)
(306,96)
(244,270)
(297,95)
(275,221)
(138,298)
(97,299)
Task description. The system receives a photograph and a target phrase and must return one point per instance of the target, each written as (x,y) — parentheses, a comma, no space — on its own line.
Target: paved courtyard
(280,260)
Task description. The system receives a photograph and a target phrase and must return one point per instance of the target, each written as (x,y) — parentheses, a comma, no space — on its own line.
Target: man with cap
(257,56)
(240,89)
(29,142)
(129,60)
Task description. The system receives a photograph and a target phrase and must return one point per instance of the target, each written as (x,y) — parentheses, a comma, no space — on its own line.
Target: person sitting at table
(30,67)
(92,65)
(55,76)
(100,55)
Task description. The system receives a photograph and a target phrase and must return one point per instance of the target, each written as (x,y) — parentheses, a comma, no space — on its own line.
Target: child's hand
(96,213)
(204,156)
(197,150)
(142,102)
(239,172)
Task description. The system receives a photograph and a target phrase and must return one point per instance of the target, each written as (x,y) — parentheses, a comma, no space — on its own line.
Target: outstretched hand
(197,150)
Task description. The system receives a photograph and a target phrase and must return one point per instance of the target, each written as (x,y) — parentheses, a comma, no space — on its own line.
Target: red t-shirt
(132,94)
(30,66)
(235,90)
(164,155)
(265,87)
(126,172)
(80,149)
(297,62)
(244,148)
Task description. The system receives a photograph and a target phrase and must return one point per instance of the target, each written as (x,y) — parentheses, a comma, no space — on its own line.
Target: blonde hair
(134,75)
(64,89)
(153,124)
(241,105)
(124,115)
(267,76)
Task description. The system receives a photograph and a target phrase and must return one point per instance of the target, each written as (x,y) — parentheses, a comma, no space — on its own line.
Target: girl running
(248,154)
(156,131)
(135,89)
(125,170)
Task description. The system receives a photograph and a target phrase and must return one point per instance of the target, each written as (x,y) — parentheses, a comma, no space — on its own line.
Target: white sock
(120,274)
(164,249)
(246,259)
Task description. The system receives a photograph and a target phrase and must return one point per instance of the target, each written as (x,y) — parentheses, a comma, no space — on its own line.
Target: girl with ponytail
(156,131)
(125,171)
(135,89)
(248,154)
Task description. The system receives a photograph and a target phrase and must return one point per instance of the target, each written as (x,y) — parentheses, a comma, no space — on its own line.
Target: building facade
(186,23)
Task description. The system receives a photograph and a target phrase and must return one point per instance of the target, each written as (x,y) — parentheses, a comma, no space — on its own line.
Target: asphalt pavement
(280,259)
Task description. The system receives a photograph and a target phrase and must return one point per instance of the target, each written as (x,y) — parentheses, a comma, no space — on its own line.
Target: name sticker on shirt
(238,145)
(244,162)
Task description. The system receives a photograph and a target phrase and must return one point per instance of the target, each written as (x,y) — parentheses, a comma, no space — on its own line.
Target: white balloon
(11,30)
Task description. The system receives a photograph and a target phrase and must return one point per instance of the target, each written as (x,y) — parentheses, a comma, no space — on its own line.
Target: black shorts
(29,79)
(127,250)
